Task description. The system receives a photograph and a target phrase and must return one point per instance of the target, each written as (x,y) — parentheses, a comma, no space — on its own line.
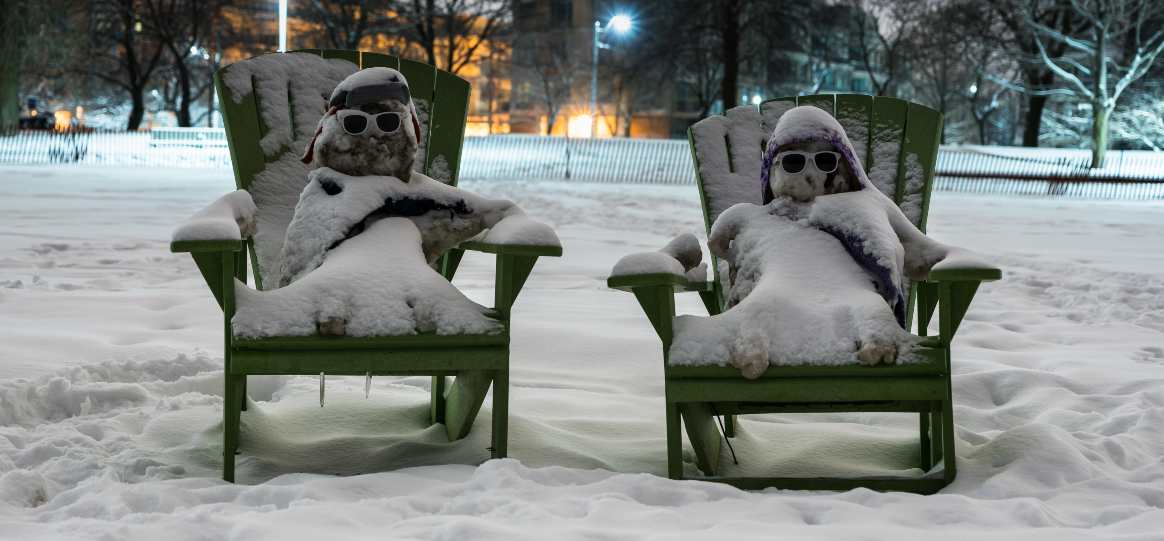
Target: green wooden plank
(447,119)
(823,101)
(965,275)
(886,132)
(933,365)
(922,134)
(703,434)
(631,281)
(210,265)
(854,113)
(357,362)
(500,447)
(184,246)
(371,342)
(881,484)
(377,60)
(350,56)
(512,249)
(838,389)
(463,402)
(240,118)
(753,408)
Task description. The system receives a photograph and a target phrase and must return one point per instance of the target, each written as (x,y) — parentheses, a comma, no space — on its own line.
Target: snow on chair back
(727,151)
(271,105)
(896,141)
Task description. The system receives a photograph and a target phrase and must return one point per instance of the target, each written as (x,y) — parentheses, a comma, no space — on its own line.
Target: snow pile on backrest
(771,111)
(728,149)
(291,90)
(886,142)
(855,120)
(913,199)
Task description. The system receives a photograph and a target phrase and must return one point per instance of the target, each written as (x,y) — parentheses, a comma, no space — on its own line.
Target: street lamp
(282,26)
(619,24)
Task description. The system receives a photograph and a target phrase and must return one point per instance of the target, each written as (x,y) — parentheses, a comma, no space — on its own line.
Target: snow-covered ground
(110,383)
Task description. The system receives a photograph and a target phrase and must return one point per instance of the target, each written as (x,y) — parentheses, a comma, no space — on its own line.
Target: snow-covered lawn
(110,383)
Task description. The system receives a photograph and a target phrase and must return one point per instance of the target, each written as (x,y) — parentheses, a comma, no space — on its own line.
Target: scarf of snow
(857,219)
(334,207)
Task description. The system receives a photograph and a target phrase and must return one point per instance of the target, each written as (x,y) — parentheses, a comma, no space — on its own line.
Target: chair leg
(926,446)
(231,410)
(674,442)
(244,392)
(729,426)
(949,457)
(500,413)
(936,436)
(437,402)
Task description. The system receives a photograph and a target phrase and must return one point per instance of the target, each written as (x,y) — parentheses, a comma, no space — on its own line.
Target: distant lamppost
(619,24)
(282,25)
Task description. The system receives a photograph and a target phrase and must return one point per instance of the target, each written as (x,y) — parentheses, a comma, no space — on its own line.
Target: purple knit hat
(803,124)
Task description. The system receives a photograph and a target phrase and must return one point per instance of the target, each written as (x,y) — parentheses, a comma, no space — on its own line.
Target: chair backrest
(896,141)
(271,105)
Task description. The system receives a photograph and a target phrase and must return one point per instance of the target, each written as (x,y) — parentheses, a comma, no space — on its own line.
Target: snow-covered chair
(897,142)
(271,105)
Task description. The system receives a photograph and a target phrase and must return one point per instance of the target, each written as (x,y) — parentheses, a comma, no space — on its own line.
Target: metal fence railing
(1006,170)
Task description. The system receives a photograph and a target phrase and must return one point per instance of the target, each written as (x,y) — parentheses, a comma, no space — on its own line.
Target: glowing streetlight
(619,24)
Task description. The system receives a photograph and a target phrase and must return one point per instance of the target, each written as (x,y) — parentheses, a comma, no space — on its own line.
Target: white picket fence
(1006,170)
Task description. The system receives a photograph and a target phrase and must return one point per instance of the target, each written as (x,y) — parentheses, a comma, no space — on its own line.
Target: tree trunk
(1034,121)
(138,111)
(1099,134)
(729,30)
(183,93)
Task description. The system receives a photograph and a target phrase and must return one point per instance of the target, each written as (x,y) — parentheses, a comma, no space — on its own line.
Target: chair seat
(933,365)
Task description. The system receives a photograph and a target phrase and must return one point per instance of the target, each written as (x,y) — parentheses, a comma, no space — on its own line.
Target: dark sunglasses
(357,122)
(794,161)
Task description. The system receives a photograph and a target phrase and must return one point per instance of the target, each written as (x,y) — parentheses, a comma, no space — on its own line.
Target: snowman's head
(806,169)
(809,155)
(370,127)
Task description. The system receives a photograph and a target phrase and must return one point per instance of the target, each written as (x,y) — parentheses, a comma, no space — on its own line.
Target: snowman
(817,272)
(358,255)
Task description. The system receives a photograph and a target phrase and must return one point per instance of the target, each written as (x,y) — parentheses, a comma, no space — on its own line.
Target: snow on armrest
(678,263)
(961,264)
(231,217)
(520,230)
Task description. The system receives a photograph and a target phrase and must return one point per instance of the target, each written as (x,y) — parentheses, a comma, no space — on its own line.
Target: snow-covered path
(110,382)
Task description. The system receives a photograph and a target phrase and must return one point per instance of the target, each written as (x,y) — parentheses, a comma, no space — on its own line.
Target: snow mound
(681,257)
(231,217)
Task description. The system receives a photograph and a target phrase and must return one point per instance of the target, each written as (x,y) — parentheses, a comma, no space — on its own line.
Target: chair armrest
(516,234)
(220,226)
(963,266)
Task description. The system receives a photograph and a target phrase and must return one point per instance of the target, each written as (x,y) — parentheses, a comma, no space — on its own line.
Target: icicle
(368,385)
(322,379)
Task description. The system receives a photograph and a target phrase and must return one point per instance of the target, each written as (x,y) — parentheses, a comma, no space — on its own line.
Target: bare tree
(121,53)
(36,42)
(345,23)
(551,66)
(183,28)
(452,32)
(1095,69)
(885,30)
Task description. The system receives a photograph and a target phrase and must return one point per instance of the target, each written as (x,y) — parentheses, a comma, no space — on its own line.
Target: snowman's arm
(930,260)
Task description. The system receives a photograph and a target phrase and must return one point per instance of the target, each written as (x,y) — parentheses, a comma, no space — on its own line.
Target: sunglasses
(357,122)
(826,161)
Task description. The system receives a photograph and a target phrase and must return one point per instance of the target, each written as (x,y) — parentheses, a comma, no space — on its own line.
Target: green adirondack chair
(256,145)
(898,144)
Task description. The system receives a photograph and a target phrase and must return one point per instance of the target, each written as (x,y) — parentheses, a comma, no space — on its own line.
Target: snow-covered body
(814,276)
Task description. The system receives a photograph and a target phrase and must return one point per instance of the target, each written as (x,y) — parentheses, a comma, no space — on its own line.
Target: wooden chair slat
(853,112)
(887,129)
(448,117)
